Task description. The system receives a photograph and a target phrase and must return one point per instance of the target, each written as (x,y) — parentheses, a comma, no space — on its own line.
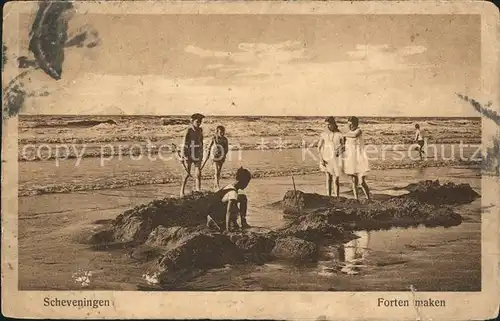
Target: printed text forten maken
(381,302)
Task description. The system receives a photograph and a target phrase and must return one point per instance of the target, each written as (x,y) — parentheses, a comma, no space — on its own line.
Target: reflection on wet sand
(354,253)
(347,258)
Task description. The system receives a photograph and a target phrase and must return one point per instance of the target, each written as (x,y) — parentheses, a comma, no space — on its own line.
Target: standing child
(193,151)
(330,151)
(419,139)
(356,160)
(219,147)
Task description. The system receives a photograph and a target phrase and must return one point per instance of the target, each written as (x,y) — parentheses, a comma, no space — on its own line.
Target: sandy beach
(51,224)
(110,212)
(61,205)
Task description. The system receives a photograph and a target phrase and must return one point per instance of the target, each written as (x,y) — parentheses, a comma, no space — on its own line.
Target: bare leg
(336,186)
(220,172)
(329,180)
(355,186)
(216,182)
(421,151)
(218,168)
(184,179)
(242,204)
(233,216)
(197,177)
(365,188)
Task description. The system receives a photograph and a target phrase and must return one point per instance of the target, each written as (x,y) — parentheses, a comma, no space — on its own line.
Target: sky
(340,65)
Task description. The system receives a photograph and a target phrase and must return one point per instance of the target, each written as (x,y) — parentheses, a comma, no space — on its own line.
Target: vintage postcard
(250,160)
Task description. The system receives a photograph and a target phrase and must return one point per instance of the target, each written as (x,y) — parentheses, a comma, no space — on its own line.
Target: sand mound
(296,202)
(449,193)
(200,249)
(315,226)
(173,231)
(426,192)
(137,223)
(168,237)
(294,248)
(396,212)
(328,217)
(253,241)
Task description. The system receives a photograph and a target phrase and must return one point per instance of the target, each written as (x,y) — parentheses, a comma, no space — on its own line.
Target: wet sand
(50,256)
(40,177)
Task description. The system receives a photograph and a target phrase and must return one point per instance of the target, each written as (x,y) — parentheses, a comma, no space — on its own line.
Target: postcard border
(268,305)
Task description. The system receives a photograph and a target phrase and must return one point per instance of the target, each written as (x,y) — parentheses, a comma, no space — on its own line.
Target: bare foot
(245,225)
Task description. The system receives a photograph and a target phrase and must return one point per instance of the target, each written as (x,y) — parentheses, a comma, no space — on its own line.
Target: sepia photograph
(310,152)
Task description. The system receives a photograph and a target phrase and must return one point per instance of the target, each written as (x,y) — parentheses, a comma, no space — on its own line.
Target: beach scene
(99,207)
(184,151)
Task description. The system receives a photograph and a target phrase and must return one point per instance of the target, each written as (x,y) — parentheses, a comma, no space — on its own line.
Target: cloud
(411,50)
(383,57)
(264,63)
(366,51)
(274,79)
(306,88)
(206,53)
(249,52)
(278,53)
(251,59)
(215,66)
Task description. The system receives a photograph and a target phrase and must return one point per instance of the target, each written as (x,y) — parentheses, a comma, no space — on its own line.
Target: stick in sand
(206,160)
(293,181)
(209,218)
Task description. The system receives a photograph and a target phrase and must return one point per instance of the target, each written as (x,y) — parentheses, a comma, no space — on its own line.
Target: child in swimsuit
(229,204)
(192,151)
(419,139)
(218,149)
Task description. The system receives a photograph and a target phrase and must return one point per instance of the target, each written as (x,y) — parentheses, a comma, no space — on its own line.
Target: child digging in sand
(218,149)
(330,151)
(356,160)
(192,151)
(229,204)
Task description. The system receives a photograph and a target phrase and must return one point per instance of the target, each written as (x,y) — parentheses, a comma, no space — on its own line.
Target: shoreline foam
(30,189)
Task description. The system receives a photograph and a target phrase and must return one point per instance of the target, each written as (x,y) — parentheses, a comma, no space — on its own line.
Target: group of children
(193,152)
(344,153)
(229,203)
(340,153)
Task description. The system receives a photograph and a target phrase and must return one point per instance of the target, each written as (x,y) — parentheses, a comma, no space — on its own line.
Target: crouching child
(228,204)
